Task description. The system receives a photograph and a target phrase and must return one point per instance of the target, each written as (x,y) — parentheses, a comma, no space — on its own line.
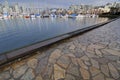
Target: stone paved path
(94,55)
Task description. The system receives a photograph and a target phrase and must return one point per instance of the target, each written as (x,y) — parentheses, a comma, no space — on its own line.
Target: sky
(59,3)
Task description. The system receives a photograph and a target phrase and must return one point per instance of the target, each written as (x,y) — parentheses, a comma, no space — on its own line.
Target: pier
(93,55)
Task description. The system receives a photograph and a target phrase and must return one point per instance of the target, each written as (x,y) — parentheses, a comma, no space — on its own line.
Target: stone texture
(43,62)
(72,47)
(85,74)
(39,77)
(11,79)
(95,63)
(81,63)
(91,55)
(32,63)
(87,63)
(64,61)
(105,70)
(29,75)
(4,75)
(94,71)
(85,58)
(69,77)
(58,72)
(70,55)
(98,53)
(74,61)
(109,79)
(99,77)
(113,52)
(90,49)
(73,69)
(19,71)
(113,71)
(54,56)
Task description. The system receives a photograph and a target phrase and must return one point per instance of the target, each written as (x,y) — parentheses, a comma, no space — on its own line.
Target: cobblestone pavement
(94,55)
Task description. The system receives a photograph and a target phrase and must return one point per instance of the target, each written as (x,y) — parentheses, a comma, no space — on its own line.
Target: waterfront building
(17,10)
(6,7)
(1,10)
(84,9)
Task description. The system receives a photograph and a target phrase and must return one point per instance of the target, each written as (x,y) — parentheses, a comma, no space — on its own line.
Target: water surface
(18,32)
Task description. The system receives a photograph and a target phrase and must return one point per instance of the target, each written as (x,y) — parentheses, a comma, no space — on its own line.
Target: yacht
(53,15)
(80,16)
(72,16)
(65,16)
(37,15)
(32,15)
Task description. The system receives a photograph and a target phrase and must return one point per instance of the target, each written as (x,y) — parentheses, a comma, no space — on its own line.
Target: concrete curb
(11,56)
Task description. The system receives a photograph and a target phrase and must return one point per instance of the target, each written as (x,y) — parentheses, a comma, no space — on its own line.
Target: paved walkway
(94,55)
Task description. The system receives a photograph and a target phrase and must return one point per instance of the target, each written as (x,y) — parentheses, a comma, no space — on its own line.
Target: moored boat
(72,16)
(65,16)
(80,16)
(53,15)
(27,16)
(5,15)
(32,16)
(37,15)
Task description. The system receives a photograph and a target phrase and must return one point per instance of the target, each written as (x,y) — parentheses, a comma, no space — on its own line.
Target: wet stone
(32,63)
(99,77)
(85,74)
(105,70)
(94,71)
(113,71)
(19,71)
(4,75)
(58,72)
(64,61)
(29,75)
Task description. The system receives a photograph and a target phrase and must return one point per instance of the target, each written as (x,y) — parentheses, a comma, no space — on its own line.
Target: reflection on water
(17,33)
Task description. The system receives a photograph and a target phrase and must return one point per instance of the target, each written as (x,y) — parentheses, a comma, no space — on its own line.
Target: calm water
(17,33)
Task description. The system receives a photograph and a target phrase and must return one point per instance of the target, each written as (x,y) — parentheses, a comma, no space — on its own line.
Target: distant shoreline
(110,15)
